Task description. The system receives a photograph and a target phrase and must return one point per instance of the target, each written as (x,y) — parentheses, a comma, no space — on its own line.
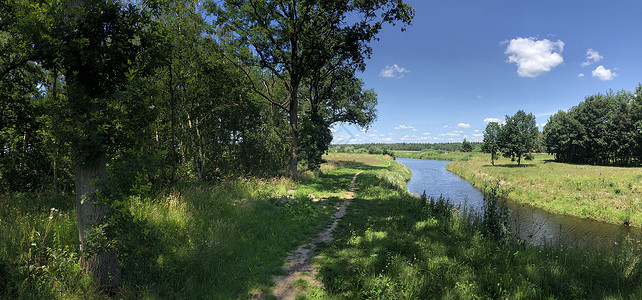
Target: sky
(463,63)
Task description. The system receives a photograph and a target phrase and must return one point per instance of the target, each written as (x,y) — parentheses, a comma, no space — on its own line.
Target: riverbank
(391,245)
(608,194)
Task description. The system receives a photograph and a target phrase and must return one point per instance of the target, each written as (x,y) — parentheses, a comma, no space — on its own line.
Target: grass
(202,240)
(226,240)
(392,246)
(609,194)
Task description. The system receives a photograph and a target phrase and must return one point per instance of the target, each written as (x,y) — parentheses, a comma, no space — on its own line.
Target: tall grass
(200,240)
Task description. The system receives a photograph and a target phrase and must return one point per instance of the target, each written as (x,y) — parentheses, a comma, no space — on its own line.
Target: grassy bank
(609,194)
(391,246)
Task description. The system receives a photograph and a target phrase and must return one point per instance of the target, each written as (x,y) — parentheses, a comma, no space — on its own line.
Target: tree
(335,97)
(491,140)
(518,135)
(95,44)
(291,39)
(466,146)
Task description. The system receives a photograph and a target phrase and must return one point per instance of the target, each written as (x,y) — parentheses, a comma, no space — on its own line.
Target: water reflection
(531,224)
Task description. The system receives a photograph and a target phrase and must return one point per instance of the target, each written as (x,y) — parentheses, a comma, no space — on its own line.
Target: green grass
(202,240)
(226,240)
(609,194)
(390,246)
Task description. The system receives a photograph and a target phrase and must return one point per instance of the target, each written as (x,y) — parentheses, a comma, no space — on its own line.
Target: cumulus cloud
(580,75)
(405,127)
(534,57)
(463,126)
(592,57)
(394,71)
(478,135)
(490,120)
(603,73)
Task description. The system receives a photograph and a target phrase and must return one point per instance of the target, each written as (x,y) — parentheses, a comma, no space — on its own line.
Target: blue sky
(462,63)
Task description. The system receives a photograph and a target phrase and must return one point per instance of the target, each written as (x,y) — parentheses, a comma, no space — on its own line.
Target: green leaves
(603,129)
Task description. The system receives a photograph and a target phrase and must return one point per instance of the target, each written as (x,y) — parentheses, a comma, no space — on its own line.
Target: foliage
(491,140)
(318,43)
(518,135)
(603,129)
(466,146)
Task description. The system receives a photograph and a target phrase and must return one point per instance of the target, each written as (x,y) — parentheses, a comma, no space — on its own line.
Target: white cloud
(592,57)
(452,133)
(479,96)
(478,135)
(490,120)
(446,126)
(603,73)
(463,126)
(334,130)
(580,75)
(405,127)
(534,57)
(427,133)
(394,71)
(476,130)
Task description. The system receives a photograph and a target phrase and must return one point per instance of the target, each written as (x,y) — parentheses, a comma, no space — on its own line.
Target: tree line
(604,129)
(107,98)
(449,147)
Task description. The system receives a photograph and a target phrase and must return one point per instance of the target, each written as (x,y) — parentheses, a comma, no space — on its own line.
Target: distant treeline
(405,146)
(603,129)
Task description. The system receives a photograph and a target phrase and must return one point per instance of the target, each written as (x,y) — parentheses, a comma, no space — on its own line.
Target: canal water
(530,224)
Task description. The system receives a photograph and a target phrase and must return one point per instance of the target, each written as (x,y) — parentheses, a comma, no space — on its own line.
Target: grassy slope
(390,246)
(610,194)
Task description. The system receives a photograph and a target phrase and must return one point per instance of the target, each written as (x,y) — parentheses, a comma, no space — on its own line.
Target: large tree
(290,39)
(518,135)
(95,44)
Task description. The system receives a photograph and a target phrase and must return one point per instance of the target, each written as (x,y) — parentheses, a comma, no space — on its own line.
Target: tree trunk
(294,119)
(89,176)
(55,171)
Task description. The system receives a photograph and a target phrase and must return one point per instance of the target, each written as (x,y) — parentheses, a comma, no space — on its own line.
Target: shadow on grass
(390,246)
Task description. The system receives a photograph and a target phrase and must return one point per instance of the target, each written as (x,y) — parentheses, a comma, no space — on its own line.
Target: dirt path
(298,263)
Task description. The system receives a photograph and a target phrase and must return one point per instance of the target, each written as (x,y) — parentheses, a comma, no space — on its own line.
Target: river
(530,224)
